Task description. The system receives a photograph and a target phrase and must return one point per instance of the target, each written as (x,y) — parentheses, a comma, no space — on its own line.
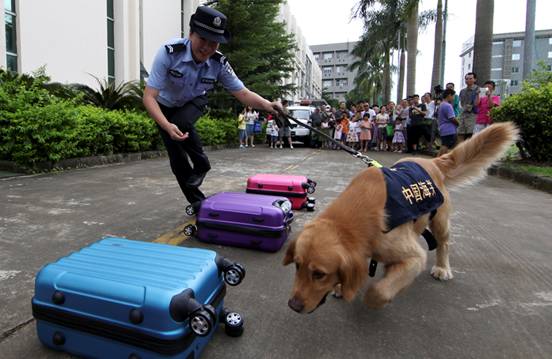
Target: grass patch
(541,170)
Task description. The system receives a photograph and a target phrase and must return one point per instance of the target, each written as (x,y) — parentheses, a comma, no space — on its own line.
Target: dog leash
(370,162)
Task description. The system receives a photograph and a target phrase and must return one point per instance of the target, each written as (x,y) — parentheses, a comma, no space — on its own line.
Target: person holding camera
(485,104)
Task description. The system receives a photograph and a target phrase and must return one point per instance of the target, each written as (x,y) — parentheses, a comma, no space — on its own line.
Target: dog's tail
(467,162)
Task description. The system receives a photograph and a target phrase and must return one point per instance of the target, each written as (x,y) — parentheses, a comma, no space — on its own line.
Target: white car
(298,132)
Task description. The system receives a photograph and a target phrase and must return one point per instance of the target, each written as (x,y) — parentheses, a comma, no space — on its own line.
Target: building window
(513,82)
(548,67)
(469,66)
(340,70)
(327,71)
(327,83)
(497,56)
(328,55)
(515,69)
(516,43)
(515,57)
(550,54)
(342,82)
(11,35)
(496,69)
(550,41)
(497,43)
(341,55)
(317,56)
(110,42)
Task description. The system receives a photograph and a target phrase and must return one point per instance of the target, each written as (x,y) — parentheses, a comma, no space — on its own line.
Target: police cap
(210,24)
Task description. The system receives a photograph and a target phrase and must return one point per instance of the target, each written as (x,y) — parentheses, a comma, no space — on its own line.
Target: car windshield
(300,114)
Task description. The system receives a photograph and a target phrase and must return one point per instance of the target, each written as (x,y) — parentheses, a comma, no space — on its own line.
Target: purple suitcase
(244,220)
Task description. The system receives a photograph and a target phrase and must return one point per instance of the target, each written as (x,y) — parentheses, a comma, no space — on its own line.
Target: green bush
(217,131)
(37,125)
(531,111)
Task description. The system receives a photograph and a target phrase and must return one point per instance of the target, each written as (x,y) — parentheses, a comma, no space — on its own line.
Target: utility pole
(444,45)
(529,41)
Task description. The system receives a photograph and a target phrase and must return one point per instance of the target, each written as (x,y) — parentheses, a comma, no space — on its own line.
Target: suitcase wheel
(311,200)
(233,324)
(202,322)
(190,211)
(234,274)
(310,206)
(310,189)
(189,230)
(313,183)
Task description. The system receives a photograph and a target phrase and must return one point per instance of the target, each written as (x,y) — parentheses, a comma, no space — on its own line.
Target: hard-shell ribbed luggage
(295,188)
(243,220)
(119,298)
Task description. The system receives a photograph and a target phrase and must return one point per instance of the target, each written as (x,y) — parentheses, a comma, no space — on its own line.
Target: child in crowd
(241,129)
(344,126)
(398,137)
(352,138)
(338,131)
(365,132)
(272,132)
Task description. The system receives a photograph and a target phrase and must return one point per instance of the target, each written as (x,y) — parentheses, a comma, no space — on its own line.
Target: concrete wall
(69,37)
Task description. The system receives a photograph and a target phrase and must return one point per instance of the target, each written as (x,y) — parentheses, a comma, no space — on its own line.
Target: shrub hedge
(37,126)
(531,111)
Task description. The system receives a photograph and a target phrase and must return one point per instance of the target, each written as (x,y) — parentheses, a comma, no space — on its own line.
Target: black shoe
(195,180)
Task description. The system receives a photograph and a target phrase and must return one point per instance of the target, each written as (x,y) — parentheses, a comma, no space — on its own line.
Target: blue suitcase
(119,298)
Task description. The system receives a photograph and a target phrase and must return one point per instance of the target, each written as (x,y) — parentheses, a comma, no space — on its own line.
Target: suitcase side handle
(259,185)
(214,214)
(258,219)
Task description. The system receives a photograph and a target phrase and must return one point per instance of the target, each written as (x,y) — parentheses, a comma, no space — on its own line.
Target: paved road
(498,306)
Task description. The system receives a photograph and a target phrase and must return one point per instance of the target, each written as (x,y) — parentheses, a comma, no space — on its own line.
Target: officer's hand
(276,107)
(175,132)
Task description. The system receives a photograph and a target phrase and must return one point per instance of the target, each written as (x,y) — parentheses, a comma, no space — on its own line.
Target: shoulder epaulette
(219,57)
(172,48)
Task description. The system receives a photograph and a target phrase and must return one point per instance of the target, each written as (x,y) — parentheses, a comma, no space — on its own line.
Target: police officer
(175,95)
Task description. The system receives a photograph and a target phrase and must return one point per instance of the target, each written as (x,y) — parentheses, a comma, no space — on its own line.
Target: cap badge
(217,21)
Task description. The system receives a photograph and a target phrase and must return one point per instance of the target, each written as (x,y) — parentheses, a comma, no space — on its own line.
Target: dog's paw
(441,273)
(375,299)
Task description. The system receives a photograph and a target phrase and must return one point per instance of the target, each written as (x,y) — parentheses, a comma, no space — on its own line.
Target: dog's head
(323,259)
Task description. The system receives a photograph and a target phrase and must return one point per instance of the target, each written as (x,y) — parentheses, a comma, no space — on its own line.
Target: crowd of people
(436,120)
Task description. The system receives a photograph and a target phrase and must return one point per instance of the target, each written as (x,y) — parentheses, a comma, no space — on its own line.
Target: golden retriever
(332,250)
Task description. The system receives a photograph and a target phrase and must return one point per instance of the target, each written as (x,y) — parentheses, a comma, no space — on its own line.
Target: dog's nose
(296,304)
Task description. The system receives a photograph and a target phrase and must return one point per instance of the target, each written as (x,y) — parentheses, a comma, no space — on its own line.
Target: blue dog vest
(411,193)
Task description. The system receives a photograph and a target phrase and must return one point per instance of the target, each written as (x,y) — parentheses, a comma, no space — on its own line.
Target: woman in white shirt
(250,118)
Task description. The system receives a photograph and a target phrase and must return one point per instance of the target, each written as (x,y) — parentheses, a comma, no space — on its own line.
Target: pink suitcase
(295,188)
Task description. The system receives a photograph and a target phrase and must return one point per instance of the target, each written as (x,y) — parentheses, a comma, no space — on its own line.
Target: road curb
(535,181)
(91,161)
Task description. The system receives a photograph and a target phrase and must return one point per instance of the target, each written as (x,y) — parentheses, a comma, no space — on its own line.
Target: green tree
(260,51)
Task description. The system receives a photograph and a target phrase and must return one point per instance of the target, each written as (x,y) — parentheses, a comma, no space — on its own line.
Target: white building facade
(306,76)
(113,39)
(74,39)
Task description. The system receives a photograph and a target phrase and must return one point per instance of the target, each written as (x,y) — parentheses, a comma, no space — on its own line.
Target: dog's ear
(352,273)
(290,253)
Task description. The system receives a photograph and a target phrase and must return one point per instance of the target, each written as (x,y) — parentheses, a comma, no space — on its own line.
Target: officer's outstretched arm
(250,98)
(151,105)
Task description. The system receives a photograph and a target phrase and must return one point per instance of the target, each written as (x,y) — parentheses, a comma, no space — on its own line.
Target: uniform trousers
(182,152)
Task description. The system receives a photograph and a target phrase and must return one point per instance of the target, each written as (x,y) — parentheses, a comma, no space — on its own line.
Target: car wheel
(233,324)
